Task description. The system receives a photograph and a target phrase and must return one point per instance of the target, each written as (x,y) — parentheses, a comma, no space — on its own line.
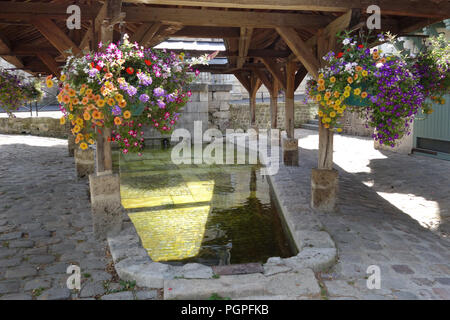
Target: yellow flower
(346,94)
(80,136)
(337,102)
(336,94)
(320,113)
(76,128)
(328,119)
(82,90)
(79,121)
(83,146)
(321,88)
(318,97)
(365,73)
(119,97)
(442,101)
(49,83)
(101,103)
(117,121)
(62,120)
(339,129)
(321,76)
(348,88)
(91,141)
(326,125)
(88,91)
(332,79)
(127,114)
(63,77)
(332,114)
(357,91)
(70,116)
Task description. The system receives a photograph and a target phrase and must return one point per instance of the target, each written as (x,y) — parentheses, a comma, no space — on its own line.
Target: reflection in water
(210,214)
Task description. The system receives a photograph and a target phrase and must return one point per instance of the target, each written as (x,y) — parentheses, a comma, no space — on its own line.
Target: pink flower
(125,151)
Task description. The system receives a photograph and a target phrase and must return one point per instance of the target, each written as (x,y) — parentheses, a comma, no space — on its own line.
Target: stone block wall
(353,124)
(39,126)
(240,115)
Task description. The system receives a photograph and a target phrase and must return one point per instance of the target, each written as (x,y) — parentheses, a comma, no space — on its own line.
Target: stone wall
(354,125)
(240,115)
(39,126)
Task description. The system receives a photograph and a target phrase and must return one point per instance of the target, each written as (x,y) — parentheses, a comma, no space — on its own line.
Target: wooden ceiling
(257,33)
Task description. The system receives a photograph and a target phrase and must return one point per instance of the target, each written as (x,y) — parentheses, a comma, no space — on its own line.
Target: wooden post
(274,104)
(290,144)
(255,84)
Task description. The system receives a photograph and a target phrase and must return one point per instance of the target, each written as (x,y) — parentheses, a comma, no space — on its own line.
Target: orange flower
(75,101)
(96,114)
(111,102)
(86,116)
(350,80)
(101,103)
(66,99)
(364,95)
(321,82)
(127,114)
(90,96)
(358,68)
(97,97)
(72,92)
(85,101)
(117,121)
(122,104)
(356,76)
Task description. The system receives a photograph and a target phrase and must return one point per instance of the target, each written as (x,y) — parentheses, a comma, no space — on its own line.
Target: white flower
(346,41)
(379,65)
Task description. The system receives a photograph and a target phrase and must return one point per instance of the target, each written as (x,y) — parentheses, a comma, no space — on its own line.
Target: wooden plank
(50,62)
(275,70)
(220,18)
(145,33)
(301,50)
(422,8)
(164,33)
(244,44)
(274,105)
(56,36)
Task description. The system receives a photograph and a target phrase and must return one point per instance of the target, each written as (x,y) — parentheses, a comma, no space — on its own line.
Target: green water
(210,214)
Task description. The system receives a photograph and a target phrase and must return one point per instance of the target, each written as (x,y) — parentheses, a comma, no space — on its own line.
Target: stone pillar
(106,206)
(71,144)
(290,151)
(84,162)
(324,188)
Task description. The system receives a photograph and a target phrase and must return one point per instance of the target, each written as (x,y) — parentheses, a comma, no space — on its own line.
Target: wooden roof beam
(5,47)
(275,69)
(244,44)
(300,49)
(50,62)
(422,8)
(31,10)
(220,18)
(56,36)
(208,32)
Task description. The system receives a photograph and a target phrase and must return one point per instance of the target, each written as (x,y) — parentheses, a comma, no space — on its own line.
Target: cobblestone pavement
(45,226)
(394,212)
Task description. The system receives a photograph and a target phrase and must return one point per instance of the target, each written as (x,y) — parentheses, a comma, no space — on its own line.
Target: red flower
(340,54)
(98,68)
(360,46)
(104,69)
(130,70)
(148,62)
(92,64)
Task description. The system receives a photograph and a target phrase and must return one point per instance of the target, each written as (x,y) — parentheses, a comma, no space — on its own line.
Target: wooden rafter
(5,49)
(208,32)
(422,8)
(26,11)
(50,62)
(164,32)
(244,44)
(300,49)
(275,69)
(56,36)
(244,80)
(261,74)
(299,76)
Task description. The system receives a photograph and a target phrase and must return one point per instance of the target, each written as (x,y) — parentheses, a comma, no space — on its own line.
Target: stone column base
(84,162)
(106,206)
(71,144)
(324,188)
(290,151)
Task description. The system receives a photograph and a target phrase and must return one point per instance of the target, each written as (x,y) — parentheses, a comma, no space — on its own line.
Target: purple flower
(158,92)
(116,110)
(161,104)
(144,98)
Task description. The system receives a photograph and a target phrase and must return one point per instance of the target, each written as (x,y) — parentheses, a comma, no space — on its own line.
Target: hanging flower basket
(124,86)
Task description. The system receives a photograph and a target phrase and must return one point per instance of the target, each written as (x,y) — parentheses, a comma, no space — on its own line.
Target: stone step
(300,284)
(309,126)
(314,121)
